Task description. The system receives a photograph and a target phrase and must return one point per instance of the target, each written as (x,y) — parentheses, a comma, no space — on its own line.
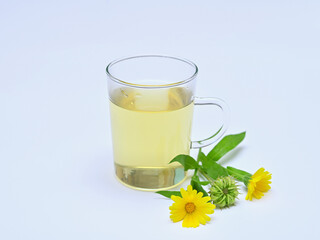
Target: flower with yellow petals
(192,208)
(257,183)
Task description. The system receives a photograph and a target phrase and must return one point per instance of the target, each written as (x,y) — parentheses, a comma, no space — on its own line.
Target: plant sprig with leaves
(220,181)
(223,189)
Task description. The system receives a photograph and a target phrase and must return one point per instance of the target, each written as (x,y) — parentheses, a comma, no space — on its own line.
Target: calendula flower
(257,184)
(192,208)
(224,191)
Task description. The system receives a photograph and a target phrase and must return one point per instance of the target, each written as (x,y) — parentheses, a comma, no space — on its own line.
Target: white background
(56,167)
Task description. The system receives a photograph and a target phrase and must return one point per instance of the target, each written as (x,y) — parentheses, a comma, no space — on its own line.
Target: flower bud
(224,191)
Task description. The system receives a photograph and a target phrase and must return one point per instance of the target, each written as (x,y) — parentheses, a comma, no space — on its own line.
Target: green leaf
(204,183)
(225,145)
(196,179)
(168,194)
(201,156)
(195,183)
(203,159)
(216,170)
(186,161)
(240,175)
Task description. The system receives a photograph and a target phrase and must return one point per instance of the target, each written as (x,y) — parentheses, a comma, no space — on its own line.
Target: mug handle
(225,112)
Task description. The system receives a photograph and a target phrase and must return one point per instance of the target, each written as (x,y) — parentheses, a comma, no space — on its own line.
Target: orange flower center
(190,207)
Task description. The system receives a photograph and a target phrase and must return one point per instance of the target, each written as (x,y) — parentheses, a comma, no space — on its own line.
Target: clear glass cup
(151,108)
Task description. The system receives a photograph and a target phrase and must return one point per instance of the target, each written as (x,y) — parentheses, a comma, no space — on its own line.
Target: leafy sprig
(216,185)
(206,166)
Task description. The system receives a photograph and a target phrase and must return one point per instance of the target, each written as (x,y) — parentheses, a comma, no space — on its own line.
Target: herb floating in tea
(193,205)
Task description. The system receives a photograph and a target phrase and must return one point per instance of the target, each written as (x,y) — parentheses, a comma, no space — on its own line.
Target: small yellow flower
(192,208)
(258,184)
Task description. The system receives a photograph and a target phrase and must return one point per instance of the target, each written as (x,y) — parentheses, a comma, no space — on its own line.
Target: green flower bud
(224,191)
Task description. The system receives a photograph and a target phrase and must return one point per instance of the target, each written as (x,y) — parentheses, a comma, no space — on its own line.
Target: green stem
(206,176)
(198,160)
(240,175)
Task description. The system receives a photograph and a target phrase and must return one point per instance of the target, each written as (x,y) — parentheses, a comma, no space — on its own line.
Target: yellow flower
(192,208)
(258,184)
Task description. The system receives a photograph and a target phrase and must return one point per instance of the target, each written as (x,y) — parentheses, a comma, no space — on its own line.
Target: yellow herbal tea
(149,128)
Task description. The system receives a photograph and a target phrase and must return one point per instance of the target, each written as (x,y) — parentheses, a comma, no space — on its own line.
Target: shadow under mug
(151,108)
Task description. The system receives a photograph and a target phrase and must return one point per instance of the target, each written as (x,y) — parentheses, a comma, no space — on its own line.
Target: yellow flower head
(258,184)
(192,208)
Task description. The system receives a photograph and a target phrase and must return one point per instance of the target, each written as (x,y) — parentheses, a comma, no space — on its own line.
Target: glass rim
(115,79)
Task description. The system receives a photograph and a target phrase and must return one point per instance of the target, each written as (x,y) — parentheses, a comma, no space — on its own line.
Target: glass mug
(151,108)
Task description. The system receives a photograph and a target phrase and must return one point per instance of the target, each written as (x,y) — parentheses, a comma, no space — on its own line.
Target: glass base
(150,178)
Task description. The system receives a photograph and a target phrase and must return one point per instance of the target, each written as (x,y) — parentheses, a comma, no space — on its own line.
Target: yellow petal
(203,219)
(178,216)
(190,221)
(259,172)
(176,206)
(206,199)
(184,193)
(249,195)
(189,188)
(199,195)
(175,198)
(187,221)
(257,194)
(263,187)
(206,210)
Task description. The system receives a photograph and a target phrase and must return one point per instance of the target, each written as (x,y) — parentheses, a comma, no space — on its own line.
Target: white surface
(56,169)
